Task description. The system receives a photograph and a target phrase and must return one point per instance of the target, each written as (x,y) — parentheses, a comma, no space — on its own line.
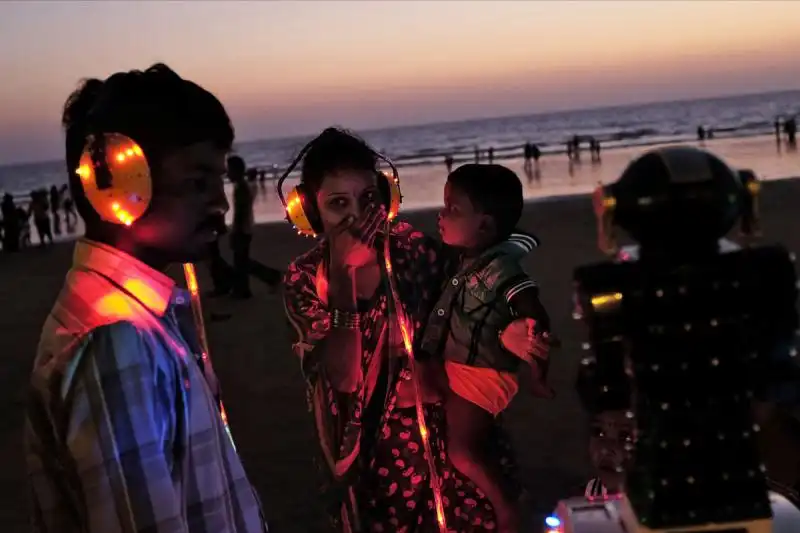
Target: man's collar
(153,289)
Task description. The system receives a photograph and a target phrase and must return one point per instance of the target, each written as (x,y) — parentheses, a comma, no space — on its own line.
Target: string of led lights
(197,314)
(405,331)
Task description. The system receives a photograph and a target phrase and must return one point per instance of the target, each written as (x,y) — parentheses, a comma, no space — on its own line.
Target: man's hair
(494,190)
(335,150)
(236,166)
(156,108)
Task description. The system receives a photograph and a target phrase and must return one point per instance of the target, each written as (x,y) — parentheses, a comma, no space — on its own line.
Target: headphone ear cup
(309,205)
(385,190)
(116,178)
(390,183)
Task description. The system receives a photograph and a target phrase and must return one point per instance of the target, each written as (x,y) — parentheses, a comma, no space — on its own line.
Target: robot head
(676,197)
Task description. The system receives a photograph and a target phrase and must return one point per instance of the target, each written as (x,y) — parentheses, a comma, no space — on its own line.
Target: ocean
(636,125)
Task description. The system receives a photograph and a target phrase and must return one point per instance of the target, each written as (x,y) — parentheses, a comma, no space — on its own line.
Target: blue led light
(552,521)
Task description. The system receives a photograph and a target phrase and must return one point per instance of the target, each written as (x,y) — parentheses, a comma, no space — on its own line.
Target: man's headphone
(116,178)
(301,206)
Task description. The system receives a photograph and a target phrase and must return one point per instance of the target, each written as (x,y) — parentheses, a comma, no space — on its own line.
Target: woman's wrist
(342,290)
(341,319)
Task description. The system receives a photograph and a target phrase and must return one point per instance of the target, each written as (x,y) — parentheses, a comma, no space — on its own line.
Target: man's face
(188,203)
(611,433)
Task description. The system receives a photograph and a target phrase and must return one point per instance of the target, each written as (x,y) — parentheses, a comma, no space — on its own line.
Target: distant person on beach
(491,155)
(12,224)
(482,206)
(477,154)
(242,227)
(353,358)
(55,208)
(448,162)
(527,167)
(701,133)
(594,150)
(123,429)
(24,220)
(219,270)
(777,126)
(41,217)
(790,128)
(576,149)
(70,217)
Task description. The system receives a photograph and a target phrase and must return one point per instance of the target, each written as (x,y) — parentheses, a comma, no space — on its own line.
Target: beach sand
(261,379)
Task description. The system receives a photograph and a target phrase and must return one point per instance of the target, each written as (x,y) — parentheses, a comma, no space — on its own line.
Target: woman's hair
(156,108)
(335,150)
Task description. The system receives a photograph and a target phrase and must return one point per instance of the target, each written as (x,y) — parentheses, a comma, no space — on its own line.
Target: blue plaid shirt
(123,433)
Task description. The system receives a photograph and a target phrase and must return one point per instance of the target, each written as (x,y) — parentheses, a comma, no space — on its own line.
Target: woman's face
(344,193)
(611,433)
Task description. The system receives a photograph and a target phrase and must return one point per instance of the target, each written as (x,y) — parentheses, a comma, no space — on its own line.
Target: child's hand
(521,339)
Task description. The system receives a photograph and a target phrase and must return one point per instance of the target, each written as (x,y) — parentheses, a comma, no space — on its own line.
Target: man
(242,228)
(123,431)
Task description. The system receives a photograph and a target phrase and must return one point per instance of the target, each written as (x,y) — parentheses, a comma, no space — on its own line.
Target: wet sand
(261,379)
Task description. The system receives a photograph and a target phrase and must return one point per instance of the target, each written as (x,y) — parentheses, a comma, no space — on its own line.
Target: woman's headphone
(116,178)
(301,206)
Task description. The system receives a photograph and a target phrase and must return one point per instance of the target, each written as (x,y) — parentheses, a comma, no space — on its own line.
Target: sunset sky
(292,67)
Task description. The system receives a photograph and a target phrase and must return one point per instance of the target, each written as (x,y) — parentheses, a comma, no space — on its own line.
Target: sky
(292,67)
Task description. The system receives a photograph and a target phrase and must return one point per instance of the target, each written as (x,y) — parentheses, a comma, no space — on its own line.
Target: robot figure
(700,329)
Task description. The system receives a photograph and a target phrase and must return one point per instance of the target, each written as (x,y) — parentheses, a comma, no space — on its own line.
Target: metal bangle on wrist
(345,320)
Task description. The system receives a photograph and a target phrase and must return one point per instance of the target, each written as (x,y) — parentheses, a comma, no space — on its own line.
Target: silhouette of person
(576,148)
(527,154)
(790,128)
(448,162)
(55,207)
(491,155)
(242,227)
(701,133)
(39,208)
(477,154)
(12,224)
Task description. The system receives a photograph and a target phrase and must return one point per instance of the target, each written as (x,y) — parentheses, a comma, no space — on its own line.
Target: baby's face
(611,433)
(460,223)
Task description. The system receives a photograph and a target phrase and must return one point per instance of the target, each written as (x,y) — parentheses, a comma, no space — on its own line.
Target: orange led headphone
(301,207)
(116,177)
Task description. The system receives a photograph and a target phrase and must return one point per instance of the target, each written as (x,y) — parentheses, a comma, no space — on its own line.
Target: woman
(353,359)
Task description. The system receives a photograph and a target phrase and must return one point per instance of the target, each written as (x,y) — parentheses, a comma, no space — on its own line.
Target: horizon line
(474,119)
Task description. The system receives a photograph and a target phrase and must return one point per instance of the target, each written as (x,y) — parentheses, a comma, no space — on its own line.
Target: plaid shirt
(123,433)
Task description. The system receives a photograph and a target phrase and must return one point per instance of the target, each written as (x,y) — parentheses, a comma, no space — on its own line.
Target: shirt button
(440,312)
(454,282)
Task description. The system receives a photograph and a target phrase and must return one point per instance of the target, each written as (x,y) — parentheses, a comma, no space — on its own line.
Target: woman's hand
(353,236)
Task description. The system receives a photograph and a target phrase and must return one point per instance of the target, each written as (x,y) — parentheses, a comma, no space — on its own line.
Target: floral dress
(372,459)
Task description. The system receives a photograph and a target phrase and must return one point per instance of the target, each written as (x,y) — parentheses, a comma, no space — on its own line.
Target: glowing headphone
(301,207)
(115,177)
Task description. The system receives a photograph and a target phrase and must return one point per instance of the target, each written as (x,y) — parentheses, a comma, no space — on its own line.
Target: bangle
(345,320)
